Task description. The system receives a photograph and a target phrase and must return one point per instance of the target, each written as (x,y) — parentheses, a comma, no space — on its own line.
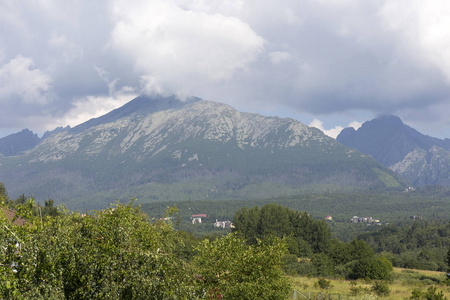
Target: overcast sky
(327,63)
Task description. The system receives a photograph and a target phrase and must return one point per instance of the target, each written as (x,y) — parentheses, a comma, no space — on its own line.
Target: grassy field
(403,283)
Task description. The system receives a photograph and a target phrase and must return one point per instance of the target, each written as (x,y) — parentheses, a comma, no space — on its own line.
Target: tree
(371,268)
(310,236)
(3,192)
(112,254)
(253,272)
(430,294)
(117,253)
(49,209)
(448,260)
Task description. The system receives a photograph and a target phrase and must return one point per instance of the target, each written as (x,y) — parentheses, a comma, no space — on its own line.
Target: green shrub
(381,288)
(324,284)
(378,268)
(430,294)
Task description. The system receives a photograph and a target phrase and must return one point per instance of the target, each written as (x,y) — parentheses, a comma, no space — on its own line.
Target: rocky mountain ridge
(152,131)
(17,143)
(161,149)
(421,159)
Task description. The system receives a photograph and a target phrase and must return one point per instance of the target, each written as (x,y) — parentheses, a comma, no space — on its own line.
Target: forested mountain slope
(162,148)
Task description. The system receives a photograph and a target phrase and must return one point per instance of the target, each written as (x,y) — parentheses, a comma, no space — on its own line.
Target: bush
(324,284)
(323,264)
(381,288)
(378,268)
(290,263)
(358,290)
(430,294)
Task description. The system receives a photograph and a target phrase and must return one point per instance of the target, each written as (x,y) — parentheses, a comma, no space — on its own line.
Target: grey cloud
(324,58)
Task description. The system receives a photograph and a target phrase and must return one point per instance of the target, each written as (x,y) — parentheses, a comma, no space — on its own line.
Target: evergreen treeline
(312,250)
(429,202)
(418,244)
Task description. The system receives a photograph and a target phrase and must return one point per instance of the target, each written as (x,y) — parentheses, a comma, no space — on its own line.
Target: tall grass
(403,283)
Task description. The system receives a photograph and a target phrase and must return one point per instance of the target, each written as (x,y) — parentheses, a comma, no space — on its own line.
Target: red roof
(10,214)
(199,216)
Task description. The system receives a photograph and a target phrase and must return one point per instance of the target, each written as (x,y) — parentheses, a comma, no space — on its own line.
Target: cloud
(423,28)
(333,132)
(20,81)
(313,58)
(92,107)
(88,107)
(277,57)
(175,49)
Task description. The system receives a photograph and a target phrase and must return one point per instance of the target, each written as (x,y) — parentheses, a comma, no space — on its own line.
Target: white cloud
(333,132)
(20,81)
(90,107)
(355,124)
(278,57)
(179,48)
(423,29)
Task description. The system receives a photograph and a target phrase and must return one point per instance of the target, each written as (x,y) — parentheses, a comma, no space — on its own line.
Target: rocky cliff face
(146,132)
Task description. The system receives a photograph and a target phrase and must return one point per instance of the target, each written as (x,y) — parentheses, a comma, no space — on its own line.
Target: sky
(326,63)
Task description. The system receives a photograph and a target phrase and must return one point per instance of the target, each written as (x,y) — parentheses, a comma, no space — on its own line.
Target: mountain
(421,159)
(165,149)
(54,131)
(17,143)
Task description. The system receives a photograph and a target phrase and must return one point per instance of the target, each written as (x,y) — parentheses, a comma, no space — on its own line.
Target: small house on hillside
(370,220)
(223,224)
(198,218)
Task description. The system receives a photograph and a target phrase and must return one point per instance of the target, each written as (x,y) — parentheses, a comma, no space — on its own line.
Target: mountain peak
(389,119)
(401,148)
(142,105)
(19,142)
(386,138)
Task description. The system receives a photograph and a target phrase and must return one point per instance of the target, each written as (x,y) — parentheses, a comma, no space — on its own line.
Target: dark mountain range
(164,149)
(18,143)
(422,159)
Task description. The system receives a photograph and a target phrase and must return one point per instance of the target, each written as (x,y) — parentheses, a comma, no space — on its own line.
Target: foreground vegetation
(117,253)
(121,253)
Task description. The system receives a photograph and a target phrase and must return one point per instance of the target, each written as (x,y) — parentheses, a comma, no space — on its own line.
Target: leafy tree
(49,209)
(381,288)
(324,284)
(112,254)
(448,260)
(371,268)
(430,294)
(254,272)
(323,264)
(305,235)
(3,192)
(117,253)
(248,223)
